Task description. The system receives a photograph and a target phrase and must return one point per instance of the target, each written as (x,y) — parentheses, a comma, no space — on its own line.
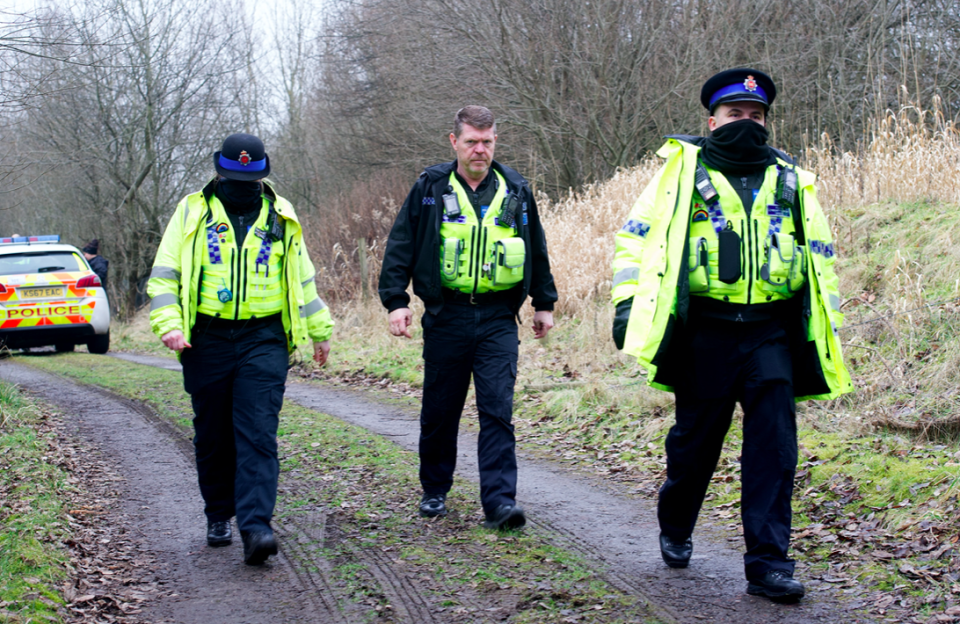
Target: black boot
(777,585)
(257,546)
(433,505)
(219,534)
(675,554)
(506,517)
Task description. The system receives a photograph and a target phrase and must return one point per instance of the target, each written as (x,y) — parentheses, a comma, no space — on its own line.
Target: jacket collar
(442,172)
(282,207)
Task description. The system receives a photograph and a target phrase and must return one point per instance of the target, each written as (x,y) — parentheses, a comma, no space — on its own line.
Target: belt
(495,296)
(206,322)
(708,308)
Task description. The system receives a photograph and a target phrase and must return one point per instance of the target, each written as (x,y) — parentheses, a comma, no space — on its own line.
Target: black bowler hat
(242,157)
(738,85)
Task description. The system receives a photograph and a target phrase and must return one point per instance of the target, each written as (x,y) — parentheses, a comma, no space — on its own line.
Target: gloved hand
(620,322)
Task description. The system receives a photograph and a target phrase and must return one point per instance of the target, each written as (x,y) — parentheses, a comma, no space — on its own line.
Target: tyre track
(311,569)
(405,599)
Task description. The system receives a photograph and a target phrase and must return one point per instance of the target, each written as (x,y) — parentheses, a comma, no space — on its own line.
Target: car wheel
(64,347)
(99,344)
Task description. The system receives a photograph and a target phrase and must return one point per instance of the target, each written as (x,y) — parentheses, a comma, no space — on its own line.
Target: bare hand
(400,320)
(174,341)
(542,323)
(320,352)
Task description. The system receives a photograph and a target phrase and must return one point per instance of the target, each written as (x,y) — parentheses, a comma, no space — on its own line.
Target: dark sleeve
(100,266)
(543,291)
(399,256)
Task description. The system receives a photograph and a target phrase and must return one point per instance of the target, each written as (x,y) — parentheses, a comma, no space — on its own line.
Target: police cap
(738,85)
(242,157)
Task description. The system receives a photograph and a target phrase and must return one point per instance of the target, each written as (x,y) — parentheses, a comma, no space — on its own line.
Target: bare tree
(130,130)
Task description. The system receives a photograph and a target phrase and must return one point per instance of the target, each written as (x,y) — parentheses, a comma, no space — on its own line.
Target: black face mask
(738,147)
(239,197)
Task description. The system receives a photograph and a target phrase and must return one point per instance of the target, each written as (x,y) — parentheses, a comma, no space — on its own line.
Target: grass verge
(32,515)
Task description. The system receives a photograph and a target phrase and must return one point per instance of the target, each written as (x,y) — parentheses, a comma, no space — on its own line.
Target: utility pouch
(698,266)
(451,206)
(798,270)
(729,267)
(509,255)
(509,210)
(450,258)
(780,257)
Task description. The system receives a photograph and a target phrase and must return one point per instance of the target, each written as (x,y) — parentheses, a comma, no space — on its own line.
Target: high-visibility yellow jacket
(652,266)
(477,254)
(175,281)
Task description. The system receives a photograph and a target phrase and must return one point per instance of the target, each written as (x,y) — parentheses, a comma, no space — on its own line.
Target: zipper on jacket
(746,224)
(235,264)
(481,244)
(244,274)
(473,245)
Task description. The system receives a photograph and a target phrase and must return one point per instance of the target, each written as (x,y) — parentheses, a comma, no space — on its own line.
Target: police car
(50,296)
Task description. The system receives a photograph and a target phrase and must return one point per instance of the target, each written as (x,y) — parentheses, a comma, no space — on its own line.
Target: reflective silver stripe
(623,275)
(835,302)
(162,272)
(312,308)
(164,300)
(305,282)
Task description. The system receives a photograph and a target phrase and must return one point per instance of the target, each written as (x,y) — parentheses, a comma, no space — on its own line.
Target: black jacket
(100,266)
(413,248)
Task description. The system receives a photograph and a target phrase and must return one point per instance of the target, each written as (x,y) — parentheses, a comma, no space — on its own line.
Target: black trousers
(461,340)
(236,379)
(726,362)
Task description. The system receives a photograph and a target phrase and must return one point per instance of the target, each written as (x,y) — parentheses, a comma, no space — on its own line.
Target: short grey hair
(478,117)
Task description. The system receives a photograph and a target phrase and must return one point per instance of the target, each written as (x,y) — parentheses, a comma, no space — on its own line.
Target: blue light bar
(21,240)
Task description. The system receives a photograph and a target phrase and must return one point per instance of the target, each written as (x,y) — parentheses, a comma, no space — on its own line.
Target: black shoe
(433,505)
(675,554)
(257,547)
(219,534)
(505,517)
(777,585)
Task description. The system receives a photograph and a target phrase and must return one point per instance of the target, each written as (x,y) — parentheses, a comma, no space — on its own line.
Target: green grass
(372,488)
(32,515)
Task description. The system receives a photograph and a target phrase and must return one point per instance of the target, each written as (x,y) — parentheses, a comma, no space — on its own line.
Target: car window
(42,262)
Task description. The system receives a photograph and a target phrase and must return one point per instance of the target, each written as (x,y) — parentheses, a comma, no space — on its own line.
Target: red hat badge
(750,84)
(245,157)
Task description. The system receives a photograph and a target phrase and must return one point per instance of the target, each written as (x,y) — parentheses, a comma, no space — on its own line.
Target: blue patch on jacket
(636,227)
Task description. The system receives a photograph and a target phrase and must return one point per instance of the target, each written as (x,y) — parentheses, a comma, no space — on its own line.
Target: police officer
(725,292)
(469,236)
(234,294)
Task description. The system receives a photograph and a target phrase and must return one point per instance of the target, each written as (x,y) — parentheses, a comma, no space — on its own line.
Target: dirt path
(599,521)
(202,585)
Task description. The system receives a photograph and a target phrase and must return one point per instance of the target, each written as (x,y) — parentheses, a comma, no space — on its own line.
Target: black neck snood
(239,197)
(738,147)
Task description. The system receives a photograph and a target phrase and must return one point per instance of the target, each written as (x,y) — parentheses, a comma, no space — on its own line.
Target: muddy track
(598,520)
(160,496)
